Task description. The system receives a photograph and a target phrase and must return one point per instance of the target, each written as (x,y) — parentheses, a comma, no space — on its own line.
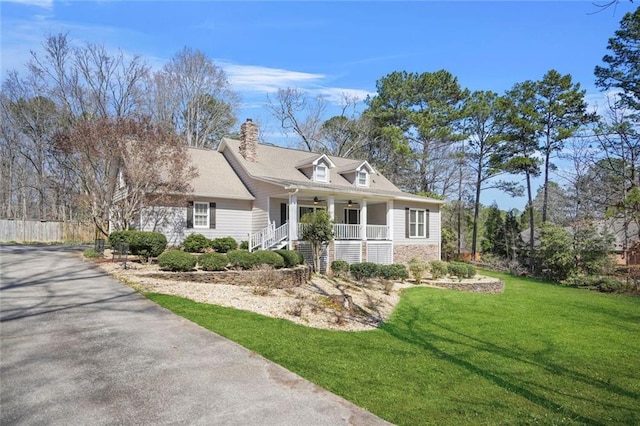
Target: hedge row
(180,261)
(141,243)
(366,270)
(198,243)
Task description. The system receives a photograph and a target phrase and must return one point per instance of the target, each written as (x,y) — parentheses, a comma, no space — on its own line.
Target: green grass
(536,354)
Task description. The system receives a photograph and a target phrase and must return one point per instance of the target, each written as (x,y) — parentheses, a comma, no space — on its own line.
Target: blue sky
(329,48)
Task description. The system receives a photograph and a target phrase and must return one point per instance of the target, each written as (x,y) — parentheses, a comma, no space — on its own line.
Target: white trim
(417,223)
(315,173)
(366,178)
(195,214)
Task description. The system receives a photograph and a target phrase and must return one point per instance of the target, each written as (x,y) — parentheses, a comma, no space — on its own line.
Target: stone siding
(278,278)
(491,287)
(403,253)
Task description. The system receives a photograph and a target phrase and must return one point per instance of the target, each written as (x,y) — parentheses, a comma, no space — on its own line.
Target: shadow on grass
(425,339)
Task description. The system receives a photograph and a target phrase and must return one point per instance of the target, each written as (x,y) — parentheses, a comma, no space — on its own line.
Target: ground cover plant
(535,354)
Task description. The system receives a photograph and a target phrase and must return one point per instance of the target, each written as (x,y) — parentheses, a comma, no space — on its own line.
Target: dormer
(317,168)
(358,174)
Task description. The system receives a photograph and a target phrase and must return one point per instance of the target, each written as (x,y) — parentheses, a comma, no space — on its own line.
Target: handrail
(269,236)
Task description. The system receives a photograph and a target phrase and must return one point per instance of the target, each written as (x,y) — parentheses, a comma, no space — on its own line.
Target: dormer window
(362,178)
(321,173)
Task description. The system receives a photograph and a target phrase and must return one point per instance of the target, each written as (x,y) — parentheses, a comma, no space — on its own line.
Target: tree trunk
(476,214)
(531,230)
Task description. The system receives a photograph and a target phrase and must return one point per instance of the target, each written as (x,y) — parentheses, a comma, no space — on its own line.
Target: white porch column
(390,220)
(293,219)
(331,207)
(363,219)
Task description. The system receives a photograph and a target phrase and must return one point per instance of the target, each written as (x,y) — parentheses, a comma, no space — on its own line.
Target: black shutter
(190,214)
(283,213)
(426,223)
(212,215)
(407,228)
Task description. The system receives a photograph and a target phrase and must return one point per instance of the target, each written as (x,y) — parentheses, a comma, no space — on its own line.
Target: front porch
(355,219)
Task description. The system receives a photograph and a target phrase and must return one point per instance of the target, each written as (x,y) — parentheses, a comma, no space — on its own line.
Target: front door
(352,216)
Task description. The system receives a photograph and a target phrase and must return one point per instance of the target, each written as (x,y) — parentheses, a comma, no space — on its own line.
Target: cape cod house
(257,193)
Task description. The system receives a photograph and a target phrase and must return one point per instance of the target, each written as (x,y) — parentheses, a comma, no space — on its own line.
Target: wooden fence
(45,231)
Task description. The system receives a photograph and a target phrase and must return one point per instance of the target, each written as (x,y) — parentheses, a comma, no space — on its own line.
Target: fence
(44,231)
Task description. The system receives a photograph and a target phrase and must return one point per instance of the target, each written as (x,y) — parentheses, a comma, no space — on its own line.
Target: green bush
(593,282)
(339,267)
(242,259)
(364,270)
(147,244)
(177,261)
(291,258)
(268,257)
(118,237)
(438,269)
(395,271)
(224,244)
(418,269)
(91,254)
(196,243)
(461,270)
(244,245)
(213,262)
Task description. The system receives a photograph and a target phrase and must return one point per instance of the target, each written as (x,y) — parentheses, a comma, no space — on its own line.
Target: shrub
(244,245)
(291,258)
(461,270)
(268,257)
(339,267)
(224,245)
(592,282)
(418,269)
(395,271)
(438,269)
(177,261)
(147,244)
(196,243)
(213,262)
(91,254)
(118,237)
(241,259)
(364,270)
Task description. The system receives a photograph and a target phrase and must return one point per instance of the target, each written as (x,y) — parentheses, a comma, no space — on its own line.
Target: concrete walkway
(79,348)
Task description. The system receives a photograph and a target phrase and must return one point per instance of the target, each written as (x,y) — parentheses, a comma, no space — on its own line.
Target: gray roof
(280,166)
(216,177)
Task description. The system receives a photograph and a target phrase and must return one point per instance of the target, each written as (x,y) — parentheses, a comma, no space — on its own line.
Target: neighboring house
(258,193)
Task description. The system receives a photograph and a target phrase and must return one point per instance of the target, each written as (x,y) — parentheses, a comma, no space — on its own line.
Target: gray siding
(399,224)
(233,219)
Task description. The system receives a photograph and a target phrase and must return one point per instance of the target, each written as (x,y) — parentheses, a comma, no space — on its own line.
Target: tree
(421,112)
(153,163)
(522,127)
(558,202)
(563,111)
(317,229)
(494,241)
(622,69)
(555,256)
(483,124)
(301,114)
(192,95)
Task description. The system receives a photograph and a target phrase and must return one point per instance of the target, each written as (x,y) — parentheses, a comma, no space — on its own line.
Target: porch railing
(343,231)
(268,237)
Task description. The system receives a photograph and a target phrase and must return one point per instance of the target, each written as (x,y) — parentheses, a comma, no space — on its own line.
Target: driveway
(77,347)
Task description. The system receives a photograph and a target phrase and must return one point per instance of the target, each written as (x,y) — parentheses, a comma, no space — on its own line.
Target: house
(258,193)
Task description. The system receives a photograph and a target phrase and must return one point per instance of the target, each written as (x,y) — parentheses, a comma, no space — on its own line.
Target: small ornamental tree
(318,231)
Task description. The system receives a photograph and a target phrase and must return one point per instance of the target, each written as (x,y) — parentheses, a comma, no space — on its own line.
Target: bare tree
(301,114)
(192,95)
(153,164)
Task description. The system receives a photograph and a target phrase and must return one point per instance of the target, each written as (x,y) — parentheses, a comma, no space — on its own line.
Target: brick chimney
(249,140)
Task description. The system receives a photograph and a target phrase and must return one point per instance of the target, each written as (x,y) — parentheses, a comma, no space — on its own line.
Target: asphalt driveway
(77,347)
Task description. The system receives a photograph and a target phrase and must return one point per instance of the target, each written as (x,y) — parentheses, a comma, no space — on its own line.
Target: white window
(362,178)
(417,223)
(121,182)
(322,173)
(200,215)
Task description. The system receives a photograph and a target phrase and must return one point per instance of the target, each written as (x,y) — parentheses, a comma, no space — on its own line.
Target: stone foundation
(274,278)
(403,253)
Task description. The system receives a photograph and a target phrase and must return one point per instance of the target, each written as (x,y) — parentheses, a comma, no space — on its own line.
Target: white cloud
(45,4)
(254,78)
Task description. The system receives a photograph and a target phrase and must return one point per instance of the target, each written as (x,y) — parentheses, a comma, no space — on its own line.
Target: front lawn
(536,354)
